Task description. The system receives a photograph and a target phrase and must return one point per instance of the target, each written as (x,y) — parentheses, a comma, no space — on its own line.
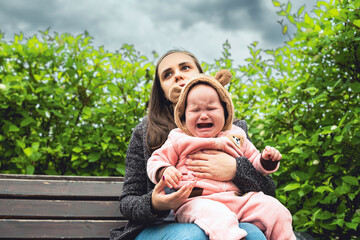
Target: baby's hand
(271,153)
(171,176)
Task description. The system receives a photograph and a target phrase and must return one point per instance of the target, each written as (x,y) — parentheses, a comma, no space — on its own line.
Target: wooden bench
(54,207)
(62,207)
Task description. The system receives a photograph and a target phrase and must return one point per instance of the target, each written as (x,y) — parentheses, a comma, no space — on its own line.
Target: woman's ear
(174,93)
(223,76)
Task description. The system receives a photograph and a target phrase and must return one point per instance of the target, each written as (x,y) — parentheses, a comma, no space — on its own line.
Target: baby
(204,116)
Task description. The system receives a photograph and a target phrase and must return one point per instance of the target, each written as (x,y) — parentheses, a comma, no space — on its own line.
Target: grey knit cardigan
(135,200)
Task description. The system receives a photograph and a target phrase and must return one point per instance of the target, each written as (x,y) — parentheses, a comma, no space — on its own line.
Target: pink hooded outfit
(220,205)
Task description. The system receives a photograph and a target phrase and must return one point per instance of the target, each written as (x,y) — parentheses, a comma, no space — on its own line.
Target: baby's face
(204,113)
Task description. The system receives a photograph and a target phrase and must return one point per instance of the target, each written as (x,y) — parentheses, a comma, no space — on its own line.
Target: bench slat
(59,207)
(62,177)
(46,209)
(51,229)
(59,188)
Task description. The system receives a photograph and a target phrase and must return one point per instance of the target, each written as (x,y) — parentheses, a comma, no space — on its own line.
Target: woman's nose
(179,77)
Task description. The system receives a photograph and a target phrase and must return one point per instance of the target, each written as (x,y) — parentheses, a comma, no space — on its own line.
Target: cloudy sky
(200,26)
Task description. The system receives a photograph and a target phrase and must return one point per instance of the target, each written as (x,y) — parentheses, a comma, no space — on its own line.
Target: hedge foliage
(68,108)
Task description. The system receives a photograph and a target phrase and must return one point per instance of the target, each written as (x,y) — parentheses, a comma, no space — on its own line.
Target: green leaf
(350,180)
(121,170)
(334,12)
(297,128)
(104,146)
(28,151)
(288,7)
(26,121)
(343,189)
(276,3)
(324,215)
(35,146)
(332,168)
(93,157)
(87,111)
(285,29)
(357,22)
(13,128)
(338,138)
(300,176)
(299,12)
(352,225)
(77,149)
(291,186)
(323,189)
(30,169)
(329,153)
(297,150)
(20,144)
(56,113)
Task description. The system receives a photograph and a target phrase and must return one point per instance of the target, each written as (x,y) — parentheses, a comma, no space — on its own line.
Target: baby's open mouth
(204,125)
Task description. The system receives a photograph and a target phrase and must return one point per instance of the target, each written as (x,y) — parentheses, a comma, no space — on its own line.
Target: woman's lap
(184,231)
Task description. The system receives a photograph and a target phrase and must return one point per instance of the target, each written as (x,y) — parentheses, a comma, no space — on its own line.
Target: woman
(147,206)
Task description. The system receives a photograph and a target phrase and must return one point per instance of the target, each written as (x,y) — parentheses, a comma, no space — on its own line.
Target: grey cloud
(37,12)
(227,14)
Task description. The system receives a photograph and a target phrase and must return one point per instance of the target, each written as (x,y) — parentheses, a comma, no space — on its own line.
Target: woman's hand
(161,201)
(212,164)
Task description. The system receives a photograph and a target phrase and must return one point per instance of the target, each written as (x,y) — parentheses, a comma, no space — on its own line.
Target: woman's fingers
(202,175)
(159,187)
(180,196)
(212,164)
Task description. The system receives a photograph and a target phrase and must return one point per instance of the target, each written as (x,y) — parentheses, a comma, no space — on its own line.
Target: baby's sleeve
(162,157)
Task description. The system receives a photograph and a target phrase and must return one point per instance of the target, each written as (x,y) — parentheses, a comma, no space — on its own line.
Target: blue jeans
(190,231)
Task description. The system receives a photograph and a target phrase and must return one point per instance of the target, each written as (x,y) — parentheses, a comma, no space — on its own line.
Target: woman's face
(176,68)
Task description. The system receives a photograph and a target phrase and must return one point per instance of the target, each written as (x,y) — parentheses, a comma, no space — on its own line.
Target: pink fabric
(219,209)
(179,145)
(218,215)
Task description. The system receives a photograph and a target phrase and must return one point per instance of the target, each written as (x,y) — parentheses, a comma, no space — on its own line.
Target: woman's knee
(192,231)
(253,232)
(173,231)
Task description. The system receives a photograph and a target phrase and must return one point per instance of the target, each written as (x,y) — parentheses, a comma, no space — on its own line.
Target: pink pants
(219,215)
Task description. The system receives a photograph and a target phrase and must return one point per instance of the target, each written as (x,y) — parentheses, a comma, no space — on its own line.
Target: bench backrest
(53,207)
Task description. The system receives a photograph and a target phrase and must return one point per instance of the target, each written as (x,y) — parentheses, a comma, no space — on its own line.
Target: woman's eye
(167,75)
(186,68)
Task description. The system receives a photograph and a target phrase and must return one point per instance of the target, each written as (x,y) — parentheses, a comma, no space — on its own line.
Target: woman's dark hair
(161,112)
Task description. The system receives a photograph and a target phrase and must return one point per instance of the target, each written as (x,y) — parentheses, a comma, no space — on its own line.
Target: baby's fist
(271,153)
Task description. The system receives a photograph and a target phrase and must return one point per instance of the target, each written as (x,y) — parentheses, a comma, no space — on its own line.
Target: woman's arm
(135,200)
(248,179)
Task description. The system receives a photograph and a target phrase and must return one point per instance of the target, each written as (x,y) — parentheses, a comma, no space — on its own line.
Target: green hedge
(68,108)
(307,103)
